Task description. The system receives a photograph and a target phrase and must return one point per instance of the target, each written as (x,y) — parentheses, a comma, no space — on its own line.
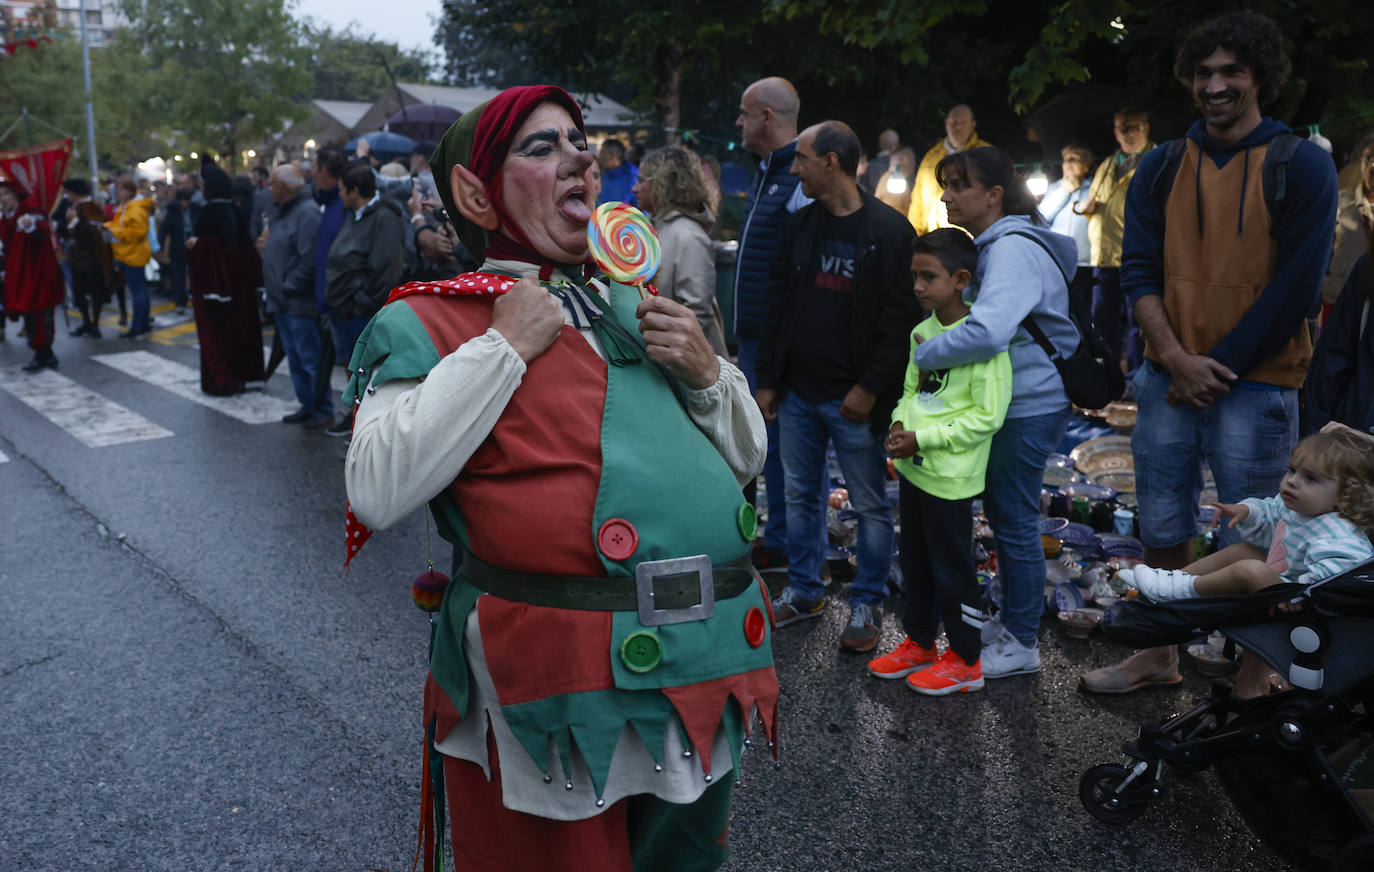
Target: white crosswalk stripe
(90,418)
(3,457)
(251,407)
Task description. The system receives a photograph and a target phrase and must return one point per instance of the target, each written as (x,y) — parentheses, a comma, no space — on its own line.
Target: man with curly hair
(1223,256)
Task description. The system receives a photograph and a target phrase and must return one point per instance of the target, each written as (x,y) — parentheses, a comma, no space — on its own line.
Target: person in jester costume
(600,657)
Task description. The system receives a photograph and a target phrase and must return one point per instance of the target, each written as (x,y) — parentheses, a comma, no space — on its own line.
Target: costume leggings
(39,327)
(637,834)
(937,563)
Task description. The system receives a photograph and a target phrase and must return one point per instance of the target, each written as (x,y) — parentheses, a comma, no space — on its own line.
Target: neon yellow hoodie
(954,415)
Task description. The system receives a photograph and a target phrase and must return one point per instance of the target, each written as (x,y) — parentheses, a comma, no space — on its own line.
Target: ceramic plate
(1104,454)
(1061,460)
(1087,489)
(1053,526)
(1058,476)
(1119,480)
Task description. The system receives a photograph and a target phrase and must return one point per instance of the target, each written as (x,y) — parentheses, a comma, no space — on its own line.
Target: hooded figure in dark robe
(225,271)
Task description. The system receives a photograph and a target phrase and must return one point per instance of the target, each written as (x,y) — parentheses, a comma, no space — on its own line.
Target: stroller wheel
(1104,796)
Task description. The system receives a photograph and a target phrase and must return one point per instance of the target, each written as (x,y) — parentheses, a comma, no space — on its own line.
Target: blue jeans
(775,531)
(1245,437)
(1016,472)
(300,337)
(137,284)
(346,332)
(804,428)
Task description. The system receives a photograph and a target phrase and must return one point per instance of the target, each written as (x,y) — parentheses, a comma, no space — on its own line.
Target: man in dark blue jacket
(768,128)
(1223,256)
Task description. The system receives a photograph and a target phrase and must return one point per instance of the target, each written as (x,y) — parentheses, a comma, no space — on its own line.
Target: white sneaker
(1006,656)
(992,630)
(1158,585)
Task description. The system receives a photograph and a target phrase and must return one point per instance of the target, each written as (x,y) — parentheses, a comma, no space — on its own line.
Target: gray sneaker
(862,632)
(789,608)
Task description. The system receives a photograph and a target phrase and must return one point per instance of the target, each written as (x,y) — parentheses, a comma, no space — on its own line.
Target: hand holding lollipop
(624,245)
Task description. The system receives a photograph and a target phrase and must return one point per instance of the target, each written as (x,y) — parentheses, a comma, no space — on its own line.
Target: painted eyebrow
(575,136)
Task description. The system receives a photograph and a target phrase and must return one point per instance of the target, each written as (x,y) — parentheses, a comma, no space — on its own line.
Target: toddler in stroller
(1299,765)
(1316,528)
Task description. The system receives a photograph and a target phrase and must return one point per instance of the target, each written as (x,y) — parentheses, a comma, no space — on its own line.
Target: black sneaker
(342,427)
(768,558)
(299,416)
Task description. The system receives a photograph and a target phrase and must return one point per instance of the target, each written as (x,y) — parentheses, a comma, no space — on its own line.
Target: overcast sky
(406,22)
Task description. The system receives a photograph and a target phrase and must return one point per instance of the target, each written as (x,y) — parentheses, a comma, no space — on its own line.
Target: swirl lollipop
(624,245)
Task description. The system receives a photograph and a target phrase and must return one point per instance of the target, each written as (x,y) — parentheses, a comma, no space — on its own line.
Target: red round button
(617,539)
(755,627)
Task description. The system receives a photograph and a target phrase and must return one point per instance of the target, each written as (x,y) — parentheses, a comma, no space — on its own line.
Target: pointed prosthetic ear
(470,195)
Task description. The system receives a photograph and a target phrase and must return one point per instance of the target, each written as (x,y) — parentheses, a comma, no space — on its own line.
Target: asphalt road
(190,680)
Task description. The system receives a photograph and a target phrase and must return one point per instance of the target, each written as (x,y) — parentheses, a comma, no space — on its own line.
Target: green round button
(748,521)
(641,651)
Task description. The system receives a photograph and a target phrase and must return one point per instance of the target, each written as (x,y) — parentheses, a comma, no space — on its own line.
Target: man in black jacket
(831,365)
(364,264)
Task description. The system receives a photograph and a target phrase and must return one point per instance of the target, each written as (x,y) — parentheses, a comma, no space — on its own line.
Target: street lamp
(1038,183)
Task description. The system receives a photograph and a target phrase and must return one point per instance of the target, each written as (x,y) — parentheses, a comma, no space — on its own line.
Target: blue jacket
(1059,209)
(331,219)
(1304,224)
(1340,379)
(616,184)
(774,197)
(1014,279)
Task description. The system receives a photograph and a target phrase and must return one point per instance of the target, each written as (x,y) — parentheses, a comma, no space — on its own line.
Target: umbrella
(385,145)
(423,121)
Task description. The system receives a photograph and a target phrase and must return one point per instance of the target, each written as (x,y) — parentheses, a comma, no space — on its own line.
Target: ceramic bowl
(1080,623)
(1210,661)
(1103,454)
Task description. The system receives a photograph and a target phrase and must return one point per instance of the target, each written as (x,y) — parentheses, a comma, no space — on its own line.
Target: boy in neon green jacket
(941,433)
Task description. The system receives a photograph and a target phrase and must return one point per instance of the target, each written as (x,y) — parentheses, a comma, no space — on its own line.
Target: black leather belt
(662,591)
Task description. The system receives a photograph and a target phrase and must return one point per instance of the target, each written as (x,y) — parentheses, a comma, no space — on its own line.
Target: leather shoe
(1110,680)
(297,417)
(80,331)
(41,361)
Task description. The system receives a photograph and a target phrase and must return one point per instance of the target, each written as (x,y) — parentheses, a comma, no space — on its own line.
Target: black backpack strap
(1274,174)
(1029,322)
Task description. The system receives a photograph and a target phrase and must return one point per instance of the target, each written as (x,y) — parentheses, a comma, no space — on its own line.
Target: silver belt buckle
(646,572)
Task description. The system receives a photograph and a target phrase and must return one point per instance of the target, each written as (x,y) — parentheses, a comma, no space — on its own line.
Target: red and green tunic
(591,469)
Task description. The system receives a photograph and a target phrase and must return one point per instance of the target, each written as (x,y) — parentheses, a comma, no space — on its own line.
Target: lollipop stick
(642,295)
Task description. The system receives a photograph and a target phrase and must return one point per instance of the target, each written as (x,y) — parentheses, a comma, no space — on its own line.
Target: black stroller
(1299,765)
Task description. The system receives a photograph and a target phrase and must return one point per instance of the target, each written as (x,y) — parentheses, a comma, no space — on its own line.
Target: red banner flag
(39,168)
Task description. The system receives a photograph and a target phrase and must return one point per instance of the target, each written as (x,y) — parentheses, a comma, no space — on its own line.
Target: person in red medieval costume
(225,271)
(605,646)
(32,279)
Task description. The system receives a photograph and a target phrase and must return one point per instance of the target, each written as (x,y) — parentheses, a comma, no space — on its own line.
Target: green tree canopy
(232,71)
(346,65)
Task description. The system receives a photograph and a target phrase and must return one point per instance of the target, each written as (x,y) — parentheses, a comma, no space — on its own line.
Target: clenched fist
(528,317)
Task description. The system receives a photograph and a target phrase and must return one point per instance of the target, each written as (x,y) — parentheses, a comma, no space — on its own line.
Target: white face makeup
(544,184)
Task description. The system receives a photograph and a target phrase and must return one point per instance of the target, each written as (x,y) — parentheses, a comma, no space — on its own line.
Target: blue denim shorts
(1245,438)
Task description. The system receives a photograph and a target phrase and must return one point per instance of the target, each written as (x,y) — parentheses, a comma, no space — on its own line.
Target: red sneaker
(949,674)
(908,658)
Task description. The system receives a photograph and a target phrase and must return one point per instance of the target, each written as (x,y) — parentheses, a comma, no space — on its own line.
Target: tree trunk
(668,92)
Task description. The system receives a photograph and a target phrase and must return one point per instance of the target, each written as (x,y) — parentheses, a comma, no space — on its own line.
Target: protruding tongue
(575,209)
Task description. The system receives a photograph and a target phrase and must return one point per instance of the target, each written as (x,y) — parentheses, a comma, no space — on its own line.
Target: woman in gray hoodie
(1023,270)
(673,189)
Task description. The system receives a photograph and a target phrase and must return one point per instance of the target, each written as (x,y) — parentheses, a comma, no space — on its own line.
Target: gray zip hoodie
(1014,279)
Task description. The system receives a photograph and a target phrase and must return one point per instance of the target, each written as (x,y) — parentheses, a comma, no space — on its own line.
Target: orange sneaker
(908,658)
(949,674)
